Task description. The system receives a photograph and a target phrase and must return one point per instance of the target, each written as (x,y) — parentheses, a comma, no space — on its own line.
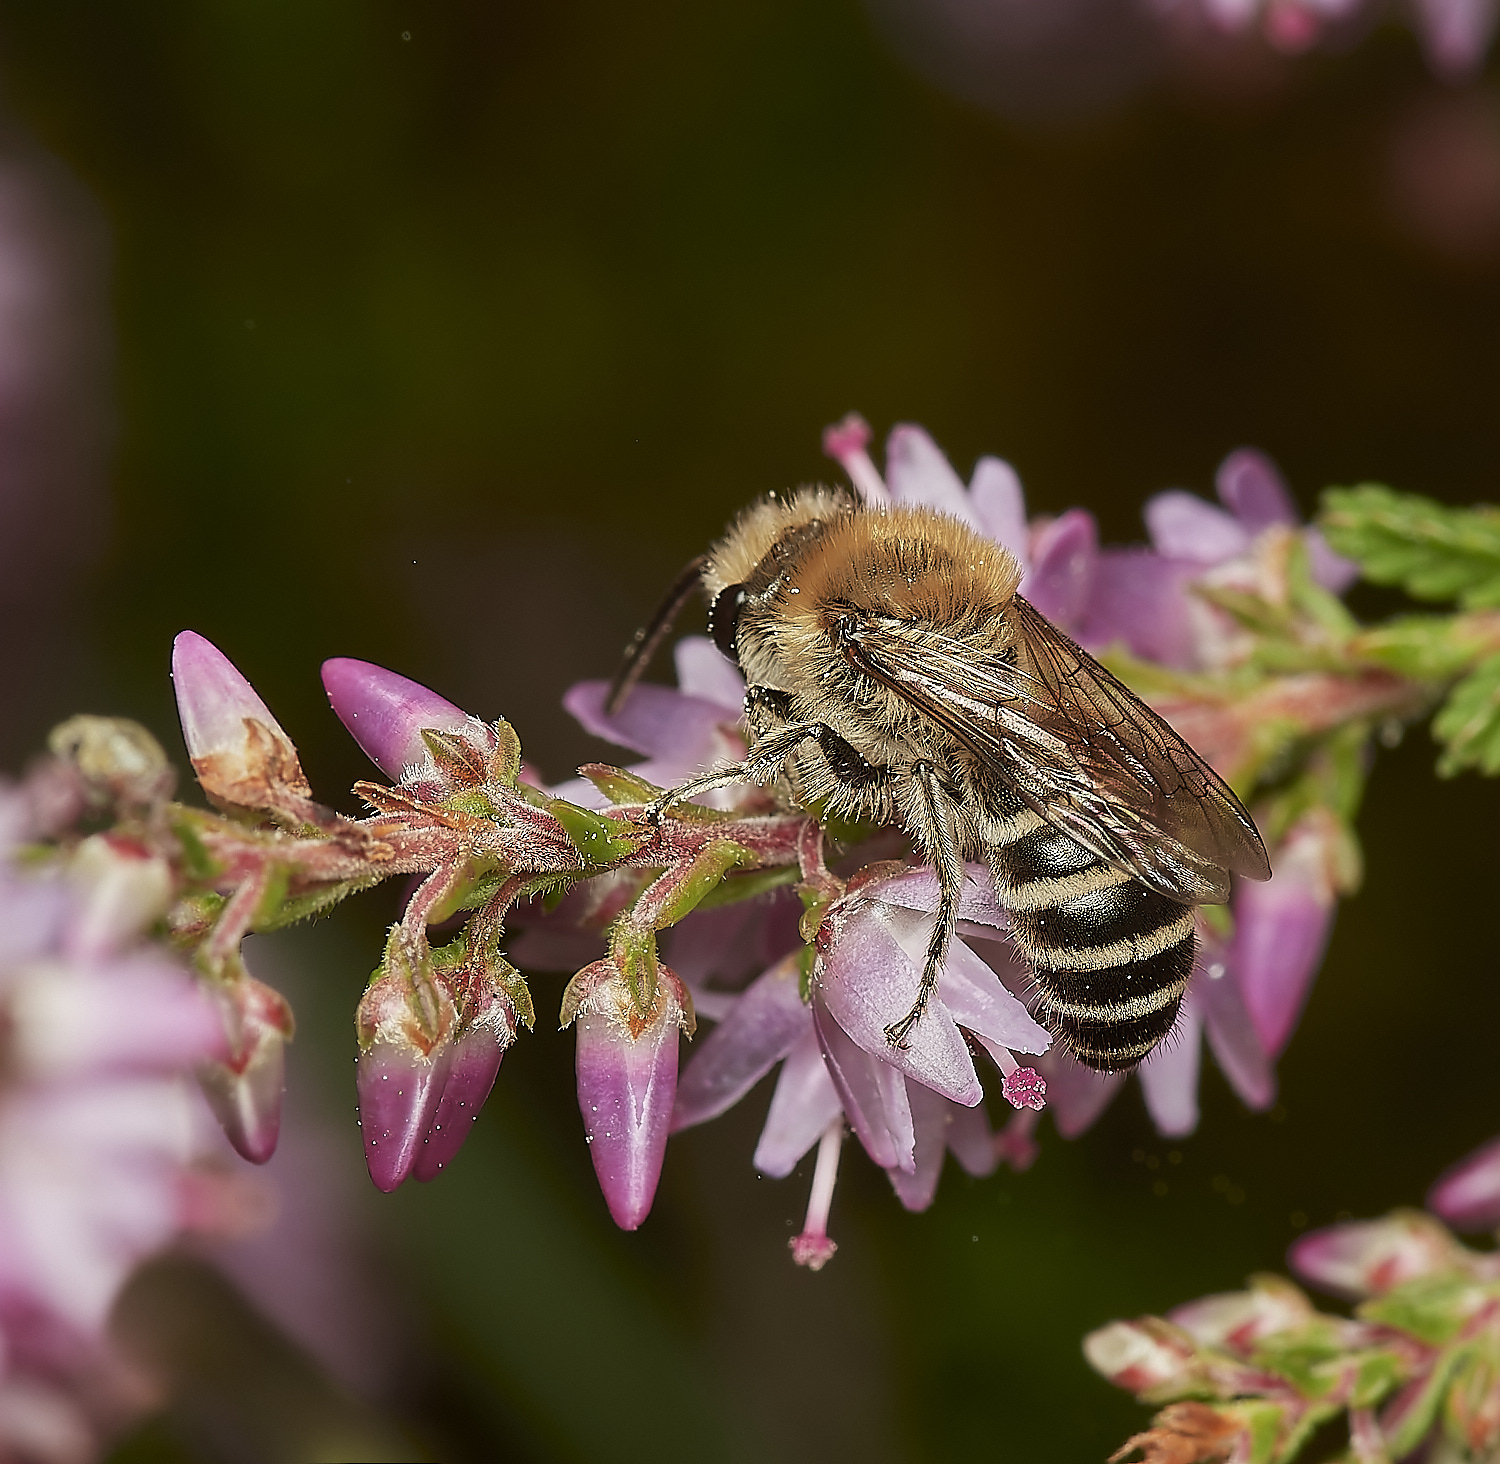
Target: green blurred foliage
(447,331)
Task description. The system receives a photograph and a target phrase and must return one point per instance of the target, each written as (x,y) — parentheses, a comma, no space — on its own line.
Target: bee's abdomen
(1112,957)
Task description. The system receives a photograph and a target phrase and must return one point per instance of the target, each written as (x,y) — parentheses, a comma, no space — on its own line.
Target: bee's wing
(1081,749)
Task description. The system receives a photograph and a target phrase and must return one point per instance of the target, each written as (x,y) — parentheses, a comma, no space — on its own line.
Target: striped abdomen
(1112,957)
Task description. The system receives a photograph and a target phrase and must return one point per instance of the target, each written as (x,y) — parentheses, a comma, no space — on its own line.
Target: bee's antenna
(647,640)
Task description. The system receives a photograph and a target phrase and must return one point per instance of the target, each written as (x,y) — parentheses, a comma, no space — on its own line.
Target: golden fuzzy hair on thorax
(753,534)
(911,563)
(906,561)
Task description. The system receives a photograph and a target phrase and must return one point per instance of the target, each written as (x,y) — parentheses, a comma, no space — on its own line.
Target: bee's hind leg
(936,834)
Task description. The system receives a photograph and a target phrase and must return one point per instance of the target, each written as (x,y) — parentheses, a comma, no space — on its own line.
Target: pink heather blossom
(473,1068)
(244,1088)
(98,1117)
(1455,33)
(421,1077)
(1467,1195)
(681,730)
(1367,1257)
(1245,999)
(234,743)
(906,1107)
(1140,1355)
(627,1080)
(386,714)
(1237,1320)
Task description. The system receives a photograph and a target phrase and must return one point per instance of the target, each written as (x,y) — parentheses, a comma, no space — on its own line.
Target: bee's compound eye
(724,619)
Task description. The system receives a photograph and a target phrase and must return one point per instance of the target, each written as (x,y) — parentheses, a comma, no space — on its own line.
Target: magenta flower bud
(1368,1257)
(244,1088)
(238,749)
(1467,1196)
(472,1070)
(405,1023)
(399,1089)
(387,714)
(627,1081)
(1140,1356)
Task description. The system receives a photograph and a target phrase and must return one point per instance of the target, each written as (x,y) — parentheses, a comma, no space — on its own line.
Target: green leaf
(1469,723)
(681,890)
(620,785)
(600,840)
(505,761)
(1432,551)
(1423,647)
(1323,608)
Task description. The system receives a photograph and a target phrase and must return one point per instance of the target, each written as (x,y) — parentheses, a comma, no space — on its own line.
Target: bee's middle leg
(937,835)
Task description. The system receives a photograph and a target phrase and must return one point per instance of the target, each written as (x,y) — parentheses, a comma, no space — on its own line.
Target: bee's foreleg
(936,834)
(762,764)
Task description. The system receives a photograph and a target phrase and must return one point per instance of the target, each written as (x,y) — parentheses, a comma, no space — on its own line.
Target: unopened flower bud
(627,1081)
(237,748)
(1368,1257)
(406,1050)
(387,714)
(472,1069)
(1467,1196)
(1140,1356)
(244,1088)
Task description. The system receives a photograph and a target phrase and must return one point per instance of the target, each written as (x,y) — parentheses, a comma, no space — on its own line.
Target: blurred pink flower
(1467,1195)
(1368,1257)
(1455,33)
(98,1117)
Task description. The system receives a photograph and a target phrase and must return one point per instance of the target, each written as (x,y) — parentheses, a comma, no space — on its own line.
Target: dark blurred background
(441,334)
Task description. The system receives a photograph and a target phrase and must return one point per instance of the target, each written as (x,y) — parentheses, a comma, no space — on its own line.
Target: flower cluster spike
(1253,1375)
(802,945)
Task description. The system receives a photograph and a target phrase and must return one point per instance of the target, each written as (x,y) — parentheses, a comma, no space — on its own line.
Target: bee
(894,676)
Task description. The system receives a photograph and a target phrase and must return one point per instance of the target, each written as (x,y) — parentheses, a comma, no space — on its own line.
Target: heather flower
(387,714)
(1455,33)
(239,753)
(1248,994)
(95,1120)
(681,730)
(907,1106)
(98,1125)
(1467,1195)
(244,1088)
(1370,1257)
(424,1070)
(627,1080)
